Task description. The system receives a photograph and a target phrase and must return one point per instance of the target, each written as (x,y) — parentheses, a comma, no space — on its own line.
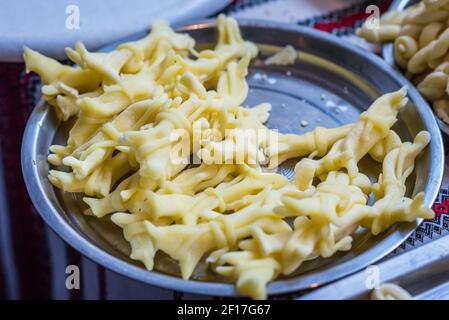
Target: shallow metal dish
(329,85)
(388,52)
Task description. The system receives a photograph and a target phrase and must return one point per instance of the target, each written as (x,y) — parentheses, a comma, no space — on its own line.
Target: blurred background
(33,259)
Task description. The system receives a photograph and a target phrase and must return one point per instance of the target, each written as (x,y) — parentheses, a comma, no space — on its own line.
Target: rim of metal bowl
(388,55)
(51,216)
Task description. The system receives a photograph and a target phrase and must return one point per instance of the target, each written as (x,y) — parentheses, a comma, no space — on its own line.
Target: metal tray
(388,53)
(423,272)
(329,85)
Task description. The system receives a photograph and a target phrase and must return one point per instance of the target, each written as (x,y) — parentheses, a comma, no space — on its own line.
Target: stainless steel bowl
(329,85)
(388,52)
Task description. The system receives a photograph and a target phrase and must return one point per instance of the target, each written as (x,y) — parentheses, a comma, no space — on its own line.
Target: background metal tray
(423,272)
(329,85)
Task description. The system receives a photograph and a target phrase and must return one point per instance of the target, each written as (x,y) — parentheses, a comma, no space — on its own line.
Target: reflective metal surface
(423,272)
(388,52)
(329,85)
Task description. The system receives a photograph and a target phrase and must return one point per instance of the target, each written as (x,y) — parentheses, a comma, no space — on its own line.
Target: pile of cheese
(247,224)
(421,47)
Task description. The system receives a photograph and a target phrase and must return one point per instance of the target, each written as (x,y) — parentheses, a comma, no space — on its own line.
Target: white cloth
(51,25)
